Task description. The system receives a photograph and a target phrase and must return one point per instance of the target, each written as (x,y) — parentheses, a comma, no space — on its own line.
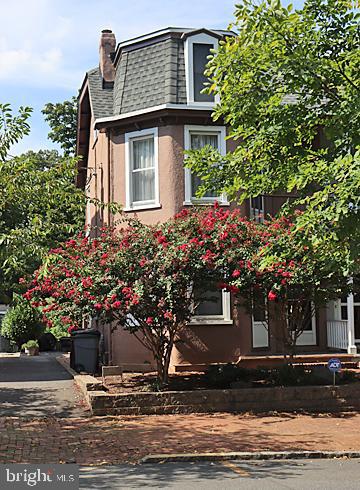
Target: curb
(60,359)
(84,382)
(248,456)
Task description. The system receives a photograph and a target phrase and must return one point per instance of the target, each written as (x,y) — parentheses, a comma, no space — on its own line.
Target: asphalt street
(337,474)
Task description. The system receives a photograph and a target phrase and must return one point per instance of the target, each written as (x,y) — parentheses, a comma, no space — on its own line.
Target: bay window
(197,137)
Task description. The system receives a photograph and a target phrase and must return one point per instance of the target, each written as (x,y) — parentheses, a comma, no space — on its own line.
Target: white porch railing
(337,334)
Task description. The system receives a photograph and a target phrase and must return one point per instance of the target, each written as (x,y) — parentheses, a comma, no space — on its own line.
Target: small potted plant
(31,348)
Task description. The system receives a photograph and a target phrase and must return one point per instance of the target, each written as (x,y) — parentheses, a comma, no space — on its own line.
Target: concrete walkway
(37,386)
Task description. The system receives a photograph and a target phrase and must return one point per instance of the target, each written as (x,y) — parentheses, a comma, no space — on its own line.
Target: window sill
(210,321)
(193,104)
(142,207)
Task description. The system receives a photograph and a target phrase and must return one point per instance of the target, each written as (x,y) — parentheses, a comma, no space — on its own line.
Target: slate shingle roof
(146,76)
(101,98)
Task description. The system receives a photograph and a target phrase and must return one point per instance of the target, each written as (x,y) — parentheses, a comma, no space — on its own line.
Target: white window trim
(129,205)
(224,319)
(308,337)
(350,304)
(188,129)
(189,65)
(264,324)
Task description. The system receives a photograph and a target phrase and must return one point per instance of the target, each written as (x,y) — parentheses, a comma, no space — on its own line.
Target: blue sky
(47,45)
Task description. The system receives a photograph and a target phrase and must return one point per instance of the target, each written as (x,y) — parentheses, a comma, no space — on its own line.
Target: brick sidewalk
(101,440)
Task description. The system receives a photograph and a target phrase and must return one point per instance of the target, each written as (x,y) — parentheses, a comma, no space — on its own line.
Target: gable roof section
(216,34)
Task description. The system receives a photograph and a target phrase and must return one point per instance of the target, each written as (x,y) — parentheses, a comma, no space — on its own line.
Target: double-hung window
(211,307)
(196,137)
(142,189)
(197,50)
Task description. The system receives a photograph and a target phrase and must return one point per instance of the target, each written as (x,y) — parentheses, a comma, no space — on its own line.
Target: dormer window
(197,49)
(200,59)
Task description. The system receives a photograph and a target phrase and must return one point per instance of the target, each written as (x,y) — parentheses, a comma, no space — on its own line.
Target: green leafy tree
(12,127)
(289,87)
(62,119)
(40,207)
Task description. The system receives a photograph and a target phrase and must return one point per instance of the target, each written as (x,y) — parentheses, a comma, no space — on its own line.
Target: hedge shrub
(21,323)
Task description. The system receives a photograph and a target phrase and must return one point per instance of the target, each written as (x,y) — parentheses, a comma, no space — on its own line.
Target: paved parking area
(37,386)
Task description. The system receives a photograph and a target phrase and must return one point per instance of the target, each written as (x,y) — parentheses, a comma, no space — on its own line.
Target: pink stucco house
(138,111)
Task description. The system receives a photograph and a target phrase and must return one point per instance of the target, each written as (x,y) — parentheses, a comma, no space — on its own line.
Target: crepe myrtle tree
(287,278)
(146,278)
(141,278)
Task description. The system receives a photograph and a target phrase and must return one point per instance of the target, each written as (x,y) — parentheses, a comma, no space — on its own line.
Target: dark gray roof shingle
(146,75)
(101,98)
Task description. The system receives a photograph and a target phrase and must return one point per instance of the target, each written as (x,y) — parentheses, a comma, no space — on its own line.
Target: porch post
(351,348)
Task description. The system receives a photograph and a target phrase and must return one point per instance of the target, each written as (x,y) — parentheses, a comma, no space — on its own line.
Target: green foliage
(347,376)
(288,375)
(30,344)
(62,119)
(12,127)
(21,323)
(289,89)
(59,329)
(221,376)
(40,206)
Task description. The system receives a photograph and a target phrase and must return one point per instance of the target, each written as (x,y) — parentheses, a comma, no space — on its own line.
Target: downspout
(109,175)
(96,194)
(110,357)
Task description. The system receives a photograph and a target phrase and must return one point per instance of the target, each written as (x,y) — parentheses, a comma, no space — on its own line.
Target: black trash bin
(85,350)
(65,344)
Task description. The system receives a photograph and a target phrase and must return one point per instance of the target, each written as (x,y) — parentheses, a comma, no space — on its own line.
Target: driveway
(38,386)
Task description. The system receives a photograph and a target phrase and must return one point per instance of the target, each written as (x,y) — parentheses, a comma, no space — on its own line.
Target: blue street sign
(334,365)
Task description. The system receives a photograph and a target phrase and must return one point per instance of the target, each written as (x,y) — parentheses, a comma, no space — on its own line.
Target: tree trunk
(163,362)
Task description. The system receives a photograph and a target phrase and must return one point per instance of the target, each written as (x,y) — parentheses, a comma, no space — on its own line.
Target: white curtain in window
(198,141)
(143,170)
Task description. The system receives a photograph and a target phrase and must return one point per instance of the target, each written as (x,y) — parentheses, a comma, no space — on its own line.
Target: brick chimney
(107,49)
